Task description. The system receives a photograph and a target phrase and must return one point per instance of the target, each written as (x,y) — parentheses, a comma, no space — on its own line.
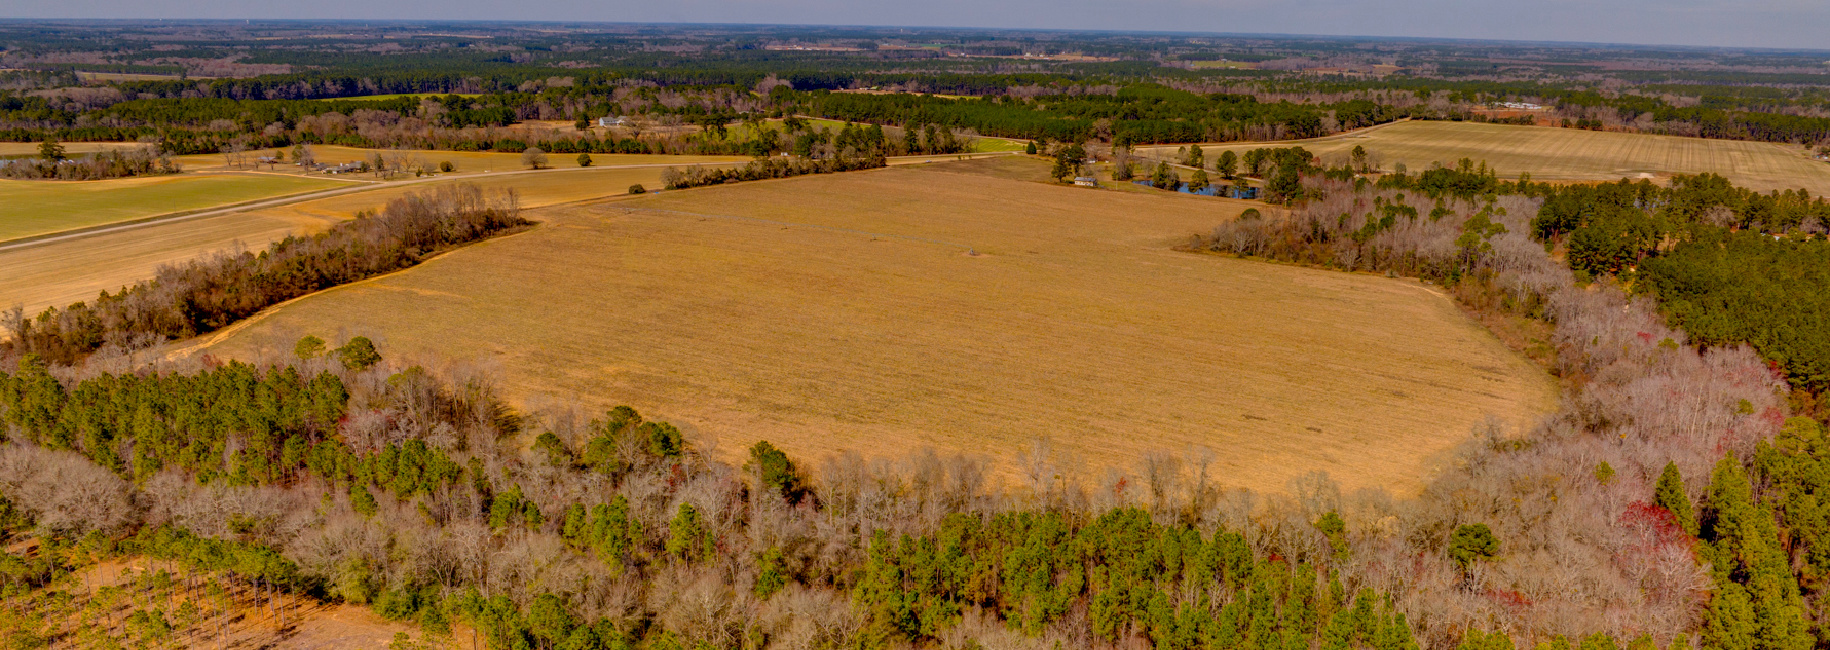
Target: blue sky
(1735,23)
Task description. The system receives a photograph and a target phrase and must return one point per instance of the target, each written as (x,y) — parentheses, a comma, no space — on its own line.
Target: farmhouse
(612,121)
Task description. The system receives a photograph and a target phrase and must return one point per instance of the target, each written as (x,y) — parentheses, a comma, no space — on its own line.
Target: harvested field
(59,273)
(1557,154)
(30,208)
(467,162)
(955,306)
(30,149)
(62,272)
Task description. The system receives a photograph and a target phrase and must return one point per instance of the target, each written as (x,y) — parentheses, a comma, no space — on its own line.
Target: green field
(29,208)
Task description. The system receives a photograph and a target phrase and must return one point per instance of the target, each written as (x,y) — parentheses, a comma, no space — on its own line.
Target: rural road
(365,186)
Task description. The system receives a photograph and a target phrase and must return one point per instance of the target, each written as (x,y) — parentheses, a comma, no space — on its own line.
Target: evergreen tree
(50,150)
(1757,599)
(1672,496)
(771,574)
(358,353)
(1472,542)
(1227,165)
(688,539)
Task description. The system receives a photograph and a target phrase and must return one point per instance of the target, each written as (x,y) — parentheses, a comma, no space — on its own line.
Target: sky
(1732,23)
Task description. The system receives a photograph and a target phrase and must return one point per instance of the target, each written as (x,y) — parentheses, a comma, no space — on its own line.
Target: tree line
(53,164)
(770,167)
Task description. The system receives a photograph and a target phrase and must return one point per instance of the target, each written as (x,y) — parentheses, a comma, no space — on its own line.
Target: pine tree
(687,537)
(1672,496)
(1757,599)
(1227,165)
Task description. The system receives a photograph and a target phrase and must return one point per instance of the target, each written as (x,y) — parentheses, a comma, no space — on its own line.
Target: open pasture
(61,272)
(956,306)
(29,208)
(1557,154)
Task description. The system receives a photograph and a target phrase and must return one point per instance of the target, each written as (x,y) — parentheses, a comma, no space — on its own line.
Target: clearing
(29,208)
(959,306)
(94,607)
(1558,154)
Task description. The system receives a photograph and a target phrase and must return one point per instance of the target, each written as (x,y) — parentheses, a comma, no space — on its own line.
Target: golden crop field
(1568,154)
(61,272)
(30,208)
(958,306)
(465,161)
(30,149)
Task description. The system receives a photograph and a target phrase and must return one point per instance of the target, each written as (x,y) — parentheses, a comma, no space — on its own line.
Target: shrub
(310,347)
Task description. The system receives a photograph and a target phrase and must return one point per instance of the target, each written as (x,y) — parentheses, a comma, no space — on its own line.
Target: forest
(1739,549)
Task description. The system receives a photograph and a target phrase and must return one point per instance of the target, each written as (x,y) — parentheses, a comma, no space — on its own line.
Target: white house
(611,121)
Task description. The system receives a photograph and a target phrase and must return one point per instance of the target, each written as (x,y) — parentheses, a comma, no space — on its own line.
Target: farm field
(1222,65)
(30,149)
(466,161)
(59,273)
(1566,154)
(536,190)
(958,306)
(30,208)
